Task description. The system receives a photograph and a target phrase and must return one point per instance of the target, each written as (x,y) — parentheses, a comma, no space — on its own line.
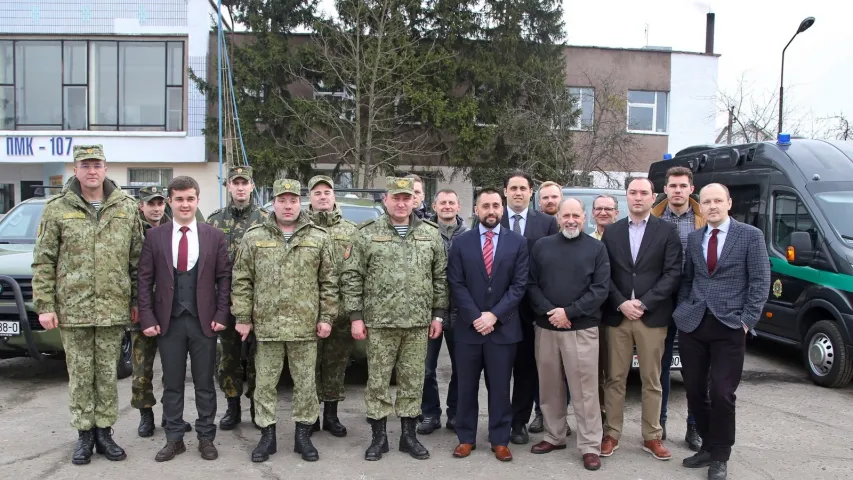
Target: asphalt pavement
(788,428)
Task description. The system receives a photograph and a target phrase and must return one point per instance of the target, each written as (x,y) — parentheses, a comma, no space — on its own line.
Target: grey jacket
(448,242)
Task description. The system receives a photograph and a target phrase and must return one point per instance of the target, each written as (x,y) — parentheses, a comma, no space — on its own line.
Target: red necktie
(712,250)
(183,250)
(488,252)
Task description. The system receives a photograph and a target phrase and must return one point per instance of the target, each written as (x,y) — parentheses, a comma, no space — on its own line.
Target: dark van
(800,194)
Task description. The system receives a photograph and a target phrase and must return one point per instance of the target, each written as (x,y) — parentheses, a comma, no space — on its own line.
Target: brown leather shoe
(546,447)
(208,451)
(608,446)
(502,453)
(171,450)
(591,461)
(463,450)
(656,448)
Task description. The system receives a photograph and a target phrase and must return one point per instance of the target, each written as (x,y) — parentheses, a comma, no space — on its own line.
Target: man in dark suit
(725,285)
(187,262)
(533,225)
(487,272)
(645,268)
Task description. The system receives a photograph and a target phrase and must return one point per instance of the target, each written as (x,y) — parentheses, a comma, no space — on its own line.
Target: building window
(340,100)
(647,111)
(92,85)
(584,101)
(139,177)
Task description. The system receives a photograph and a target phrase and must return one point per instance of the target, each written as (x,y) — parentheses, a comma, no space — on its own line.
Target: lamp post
(804,25)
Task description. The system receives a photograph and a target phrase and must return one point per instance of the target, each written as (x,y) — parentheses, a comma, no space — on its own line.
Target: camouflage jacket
(395,282)
(234,223)
(341,231)
(85,262)
(285,288)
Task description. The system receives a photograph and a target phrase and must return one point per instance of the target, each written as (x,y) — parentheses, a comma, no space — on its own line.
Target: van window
(745,202)
(790,215)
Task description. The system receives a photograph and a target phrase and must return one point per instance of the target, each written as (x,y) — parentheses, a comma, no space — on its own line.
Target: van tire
(826,357)
(125,364)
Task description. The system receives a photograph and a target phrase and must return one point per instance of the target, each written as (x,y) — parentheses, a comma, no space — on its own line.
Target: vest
(184,299)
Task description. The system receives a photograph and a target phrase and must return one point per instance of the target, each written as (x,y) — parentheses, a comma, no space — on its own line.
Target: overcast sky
(749,36)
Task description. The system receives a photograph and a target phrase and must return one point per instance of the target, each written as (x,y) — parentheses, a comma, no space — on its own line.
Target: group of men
(550,314)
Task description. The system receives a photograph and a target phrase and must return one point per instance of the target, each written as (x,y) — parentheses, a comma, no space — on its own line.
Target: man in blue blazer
(487,271)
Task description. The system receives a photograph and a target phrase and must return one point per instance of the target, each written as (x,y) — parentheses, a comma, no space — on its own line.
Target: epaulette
(430,222)
(366,223)
(215,212)
(318,227)
(253,227)
(54,198)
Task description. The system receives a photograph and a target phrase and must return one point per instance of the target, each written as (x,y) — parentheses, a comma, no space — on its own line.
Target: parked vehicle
(800,194)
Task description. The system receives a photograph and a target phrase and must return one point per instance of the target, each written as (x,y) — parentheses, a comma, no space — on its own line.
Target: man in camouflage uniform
(234,220)
(84,282)
(333,352)
(394,281)
(285,288)
(152,212)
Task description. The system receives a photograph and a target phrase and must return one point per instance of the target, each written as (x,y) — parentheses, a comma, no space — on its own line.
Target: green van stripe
(808,274)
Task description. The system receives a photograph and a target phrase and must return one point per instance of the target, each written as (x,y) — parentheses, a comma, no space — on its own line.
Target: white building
(110,72)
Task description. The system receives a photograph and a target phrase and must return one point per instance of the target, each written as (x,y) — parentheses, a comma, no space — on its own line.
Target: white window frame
(348,114)
(578,94)
(654,107)
(161,174)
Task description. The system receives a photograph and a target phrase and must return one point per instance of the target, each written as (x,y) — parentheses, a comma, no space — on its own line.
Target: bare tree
(754,114)
(837,127)
(369,78)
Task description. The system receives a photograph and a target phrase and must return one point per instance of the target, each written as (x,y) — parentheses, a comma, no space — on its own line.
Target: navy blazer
(474,292)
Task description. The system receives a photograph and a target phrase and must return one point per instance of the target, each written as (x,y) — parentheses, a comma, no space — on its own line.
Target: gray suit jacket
(737,290)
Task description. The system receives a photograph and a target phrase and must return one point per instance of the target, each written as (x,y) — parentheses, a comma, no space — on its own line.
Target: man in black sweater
(569,281)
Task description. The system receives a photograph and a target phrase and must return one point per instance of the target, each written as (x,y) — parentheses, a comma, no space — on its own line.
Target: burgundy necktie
(183,250)
(712,250)
(488,252)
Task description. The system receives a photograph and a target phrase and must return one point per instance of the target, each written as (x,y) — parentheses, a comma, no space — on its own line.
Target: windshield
(836,207)
(21,224)
(357,214)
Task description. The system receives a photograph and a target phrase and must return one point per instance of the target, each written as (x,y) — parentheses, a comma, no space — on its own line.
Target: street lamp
(804,25)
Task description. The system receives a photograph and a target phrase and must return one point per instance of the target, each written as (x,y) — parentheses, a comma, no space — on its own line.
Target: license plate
(9,328)
(676,362)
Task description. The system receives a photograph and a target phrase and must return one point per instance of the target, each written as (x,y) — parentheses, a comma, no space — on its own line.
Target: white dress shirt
(721,238)
(192,244)
(522,222)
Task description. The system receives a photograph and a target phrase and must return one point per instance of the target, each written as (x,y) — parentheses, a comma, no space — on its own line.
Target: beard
(570,234)
(490,221)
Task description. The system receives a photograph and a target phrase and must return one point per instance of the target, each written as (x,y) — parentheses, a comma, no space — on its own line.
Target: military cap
(286,185)
(89,152)
(320,179)
(150,192)
(397,185)
(239,171)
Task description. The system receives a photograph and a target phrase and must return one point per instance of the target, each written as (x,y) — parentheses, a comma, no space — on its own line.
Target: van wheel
(826,357)
(125,365)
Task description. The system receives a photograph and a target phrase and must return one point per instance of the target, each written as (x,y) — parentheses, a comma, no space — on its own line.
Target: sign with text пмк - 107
(33,146)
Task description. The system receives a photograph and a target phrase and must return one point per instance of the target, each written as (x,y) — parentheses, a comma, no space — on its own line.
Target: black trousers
(525,383)
(713,352)
(186,336)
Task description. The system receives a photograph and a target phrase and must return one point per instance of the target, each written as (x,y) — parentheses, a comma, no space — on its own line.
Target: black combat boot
(146,422)
(83,450)
(302,443)
(409,439)
(266,446)
(105,445)
(331,423)
(232,415)
(378,441)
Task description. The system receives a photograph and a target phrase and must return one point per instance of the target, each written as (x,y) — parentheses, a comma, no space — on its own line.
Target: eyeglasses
(91,166)
(603,209)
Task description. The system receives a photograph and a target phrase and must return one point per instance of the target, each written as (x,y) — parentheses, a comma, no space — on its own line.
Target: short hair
(416,178)
(549,183)
(607,195)
(519,173)
(680,172)
(631,179)
(445,190)
(487,190)
(580,202)
(726,189)
(182,183)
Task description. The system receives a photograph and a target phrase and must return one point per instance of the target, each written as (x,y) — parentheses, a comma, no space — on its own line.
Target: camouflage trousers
(405,349)
(332,359)
(230,370)
(91,354)
(142,358)
(269,363)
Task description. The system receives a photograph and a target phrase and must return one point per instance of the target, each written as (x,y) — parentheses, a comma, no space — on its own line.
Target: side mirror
(800,251)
